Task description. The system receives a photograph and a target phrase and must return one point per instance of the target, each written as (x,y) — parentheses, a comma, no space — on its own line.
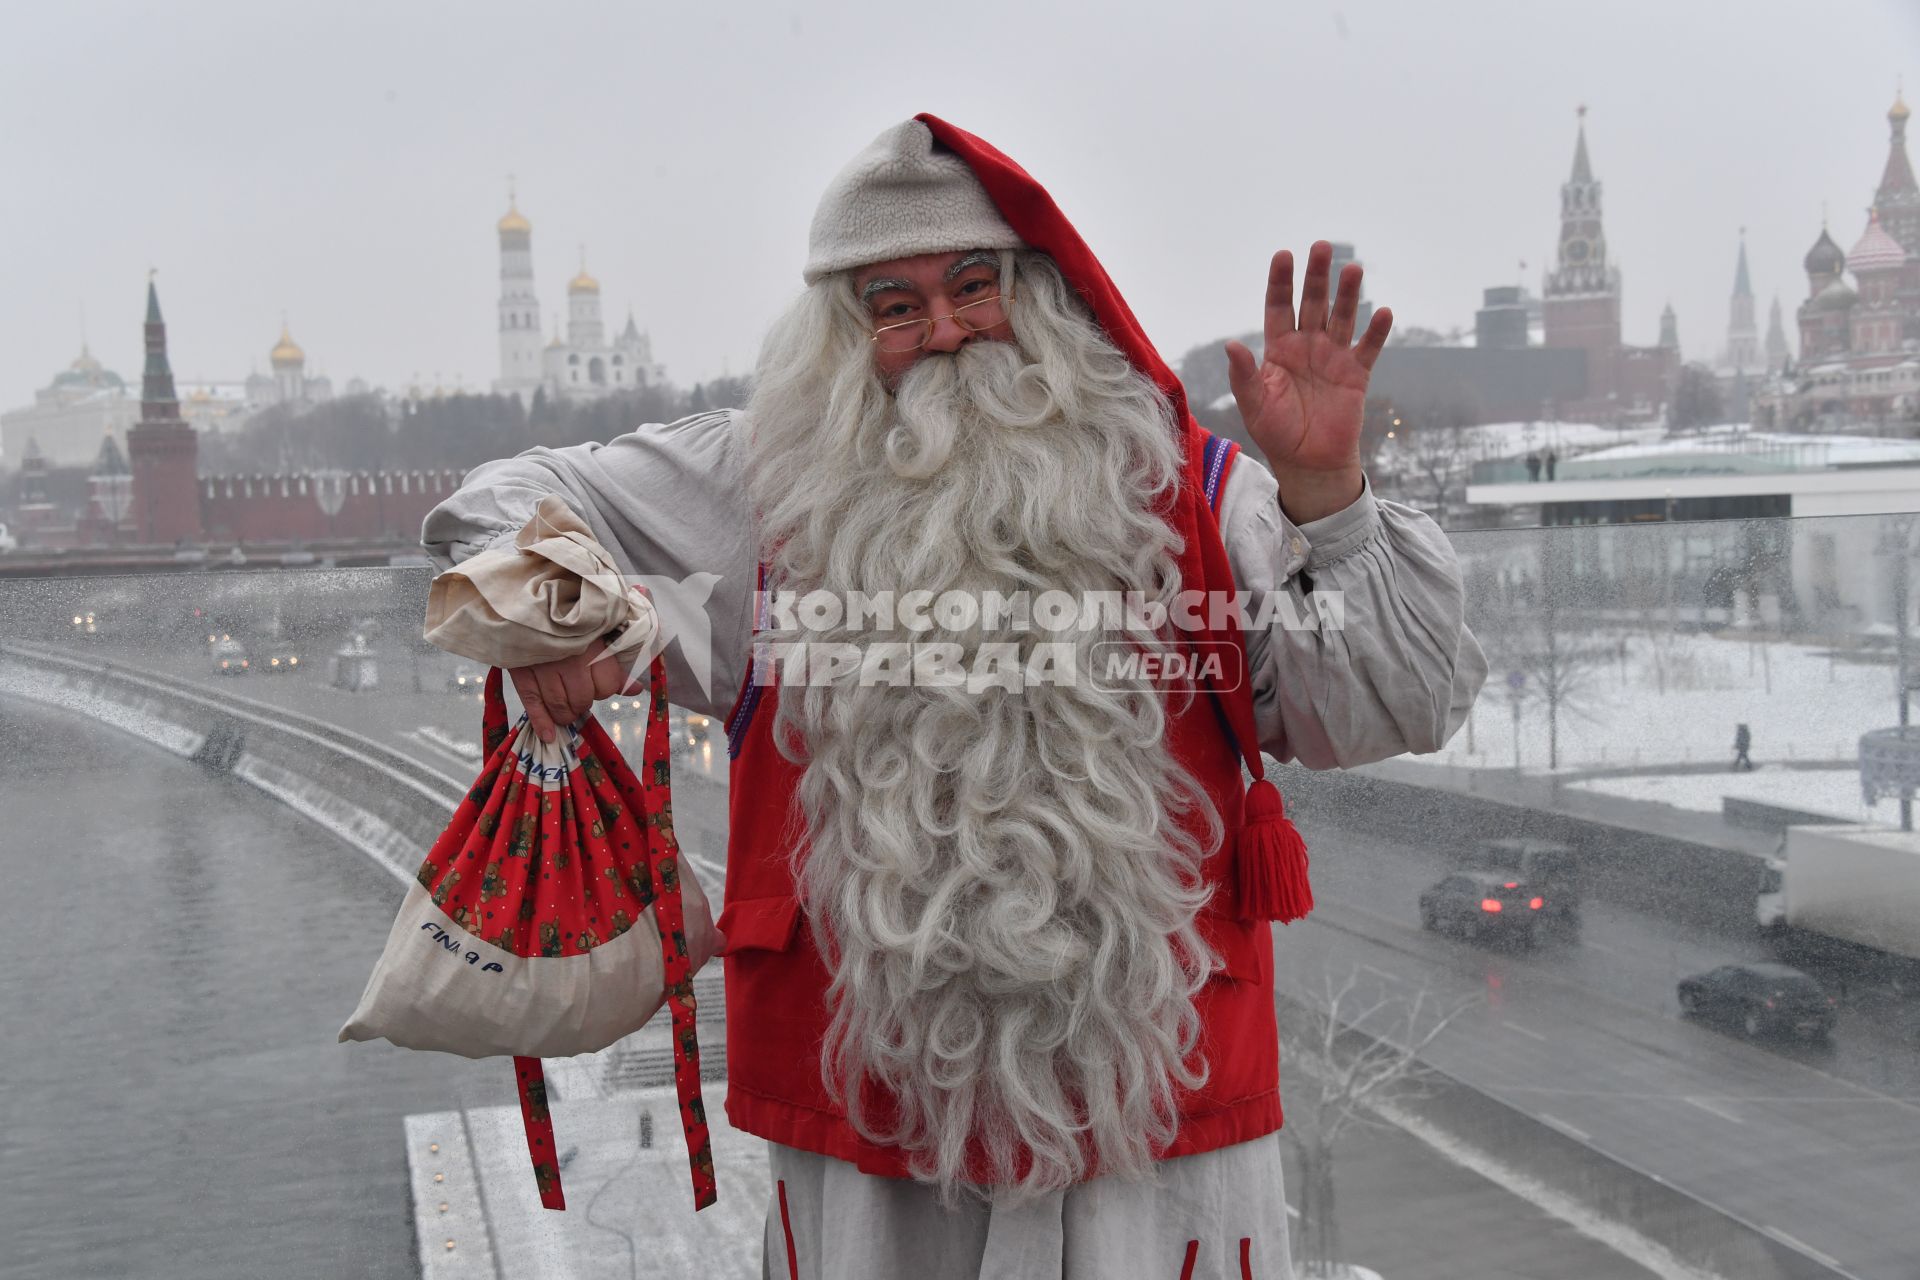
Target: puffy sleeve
(1368,654)
(667,503)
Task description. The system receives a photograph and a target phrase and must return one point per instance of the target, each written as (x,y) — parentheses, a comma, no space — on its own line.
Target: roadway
(1815,1146)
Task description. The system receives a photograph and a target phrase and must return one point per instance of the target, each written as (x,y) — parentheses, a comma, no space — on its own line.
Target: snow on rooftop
(1809,450)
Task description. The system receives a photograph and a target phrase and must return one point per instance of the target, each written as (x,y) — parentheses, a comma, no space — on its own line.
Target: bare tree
(1696,398)
(1359,1051)
(1560,659)
(1436,447)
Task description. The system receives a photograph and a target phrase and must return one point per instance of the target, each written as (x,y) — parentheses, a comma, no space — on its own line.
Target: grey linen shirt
(670,500)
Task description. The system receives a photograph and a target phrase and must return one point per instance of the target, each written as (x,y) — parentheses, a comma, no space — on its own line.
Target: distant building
(288,383)
(82,405)
(1730,487)
(1742,354)
(1581,297)
(1779,355)
(1580,372)
(1480,384)
(585,363)
(155,496)
(161,448)
(86,403)
(1860,343)
(216,406)
(1723,473)
(1740,366)
(1501,322)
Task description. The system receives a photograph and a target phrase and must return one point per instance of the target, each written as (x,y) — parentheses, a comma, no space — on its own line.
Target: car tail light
(1537,903)
(1490,904)
(1511,884)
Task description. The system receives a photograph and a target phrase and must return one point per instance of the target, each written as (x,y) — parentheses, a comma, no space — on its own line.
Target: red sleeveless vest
(777,1013)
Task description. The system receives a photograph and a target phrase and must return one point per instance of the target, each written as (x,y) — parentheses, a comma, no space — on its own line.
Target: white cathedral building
(584,364)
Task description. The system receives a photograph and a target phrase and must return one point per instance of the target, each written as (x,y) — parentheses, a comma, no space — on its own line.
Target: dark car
(1549,866)
(1476,904)
(1761,999)
(230,657)
(280,660)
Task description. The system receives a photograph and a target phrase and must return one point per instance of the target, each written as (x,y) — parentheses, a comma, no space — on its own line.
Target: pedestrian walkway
(629,1211)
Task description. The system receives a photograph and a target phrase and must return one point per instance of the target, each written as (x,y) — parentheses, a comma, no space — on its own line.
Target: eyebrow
(978,258)
(886,284)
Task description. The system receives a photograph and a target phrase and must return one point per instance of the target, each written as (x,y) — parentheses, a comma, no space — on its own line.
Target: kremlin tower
(162,449)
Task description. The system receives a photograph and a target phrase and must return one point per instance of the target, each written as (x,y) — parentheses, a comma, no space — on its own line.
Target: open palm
(1304,399)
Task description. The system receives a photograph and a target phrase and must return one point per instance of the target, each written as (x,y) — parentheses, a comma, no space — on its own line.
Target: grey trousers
(1221,1215)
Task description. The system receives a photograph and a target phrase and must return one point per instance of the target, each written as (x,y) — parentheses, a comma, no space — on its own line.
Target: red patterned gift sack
(548,921)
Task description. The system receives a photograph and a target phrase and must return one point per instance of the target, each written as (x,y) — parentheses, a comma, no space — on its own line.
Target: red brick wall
(261,508)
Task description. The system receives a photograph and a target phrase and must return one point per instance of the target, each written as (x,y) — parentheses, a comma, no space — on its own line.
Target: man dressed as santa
(999,961)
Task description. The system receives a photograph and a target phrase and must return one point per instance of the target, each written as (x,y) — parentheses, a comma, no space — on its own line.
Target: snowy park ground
(1802,704)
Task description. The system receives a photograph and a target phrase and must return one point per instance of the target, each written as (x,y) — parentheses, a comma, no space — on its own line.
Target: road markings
(435,744)
(1578,1135)
(1514,1026)
(1791,1243)
(1711,1109)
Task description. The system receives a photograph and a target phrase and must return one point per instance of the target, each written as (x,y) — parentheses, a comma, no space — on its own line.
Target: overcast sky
(345,163)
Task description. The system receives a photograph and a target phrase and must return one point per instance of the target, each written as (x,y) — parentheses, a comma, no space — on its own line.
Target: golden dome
(515,220)
(583,283)
(286,351)
(1899,110)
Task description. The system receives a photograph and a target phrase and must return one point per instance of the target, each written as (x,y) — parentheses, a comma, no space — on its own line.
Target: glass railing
(222,784)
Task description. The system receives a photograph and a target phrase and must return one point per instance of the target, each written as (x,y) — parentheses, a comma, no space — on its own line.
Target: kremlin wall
(149,507)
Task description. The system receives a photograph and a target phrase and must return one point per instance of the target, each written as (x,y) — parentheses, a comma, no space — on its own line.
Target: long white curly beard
(1000,881)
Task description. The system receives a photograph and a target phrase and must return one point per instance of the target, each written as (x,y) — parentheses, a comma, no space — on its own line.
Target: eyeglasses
(974,317)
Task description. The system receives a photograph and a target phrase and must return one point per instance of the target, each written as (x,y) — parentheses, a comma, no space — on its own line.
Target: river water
(178,956)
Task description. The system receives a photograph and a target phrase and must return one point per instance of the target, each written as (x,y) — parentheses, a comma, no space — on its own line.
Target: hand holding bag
(550,920)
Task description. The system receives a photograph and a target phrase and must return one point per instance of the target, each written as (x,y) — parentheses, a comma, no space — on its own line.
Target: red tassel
(1272,859)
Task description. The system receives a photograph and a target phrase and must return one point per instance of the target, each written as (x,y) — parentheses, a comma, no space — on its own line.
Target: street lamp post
(1516,681)
(1889,758)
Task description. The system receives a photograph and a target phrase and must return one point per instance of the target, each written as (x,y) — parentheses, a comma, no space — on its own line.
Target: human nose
(948,334)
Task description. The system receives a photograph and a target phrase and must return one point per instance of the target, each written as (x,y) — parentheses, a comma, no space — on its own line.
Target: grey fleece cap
(898,198)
